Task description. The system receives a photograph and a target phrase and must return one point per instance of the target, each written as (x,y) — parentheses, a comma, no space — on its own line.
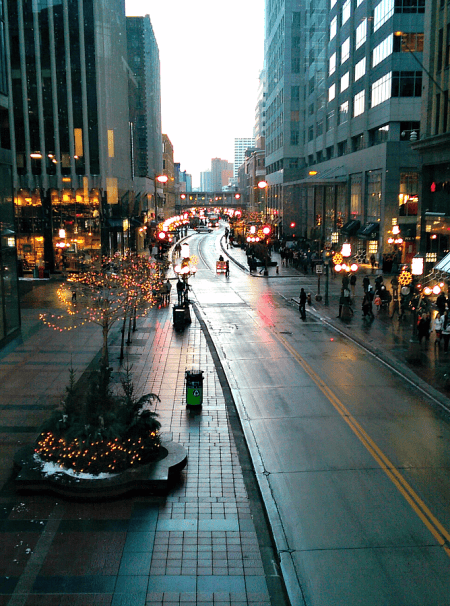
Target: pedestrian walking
(446,331)
(372,262)
(423,328)
(366,283)
(227,268)
(166,292)
(441,303)
(353,284)
(394,284)
(180,291)
(367,307)
(302,304)
(437,325)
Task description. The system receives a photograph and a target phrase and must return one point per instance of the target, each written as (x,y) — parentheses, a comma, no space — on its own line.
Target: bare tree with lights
(103,295)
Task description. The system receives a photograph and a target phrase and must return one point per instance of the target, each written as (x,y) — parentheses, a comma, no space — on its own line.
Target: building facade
(343,100)
(434,143)
(145,118)
(9,267)
(241,145)
(72,169)
(221,172)
(206,181)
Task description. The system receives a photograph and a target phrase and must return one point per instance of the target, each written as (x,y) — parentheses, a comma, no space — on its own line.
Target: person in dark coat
(441,303)
(302,304)
(423,327)
(366,282)
(180,291)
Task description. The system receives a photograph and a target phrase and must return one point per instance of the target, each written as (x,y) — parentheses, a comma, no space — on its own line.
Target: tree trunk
(105,356)
(122,343)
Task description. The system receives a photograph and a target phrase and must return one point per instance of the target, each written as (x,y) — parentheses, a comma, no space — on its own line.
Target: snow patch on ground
(49,469)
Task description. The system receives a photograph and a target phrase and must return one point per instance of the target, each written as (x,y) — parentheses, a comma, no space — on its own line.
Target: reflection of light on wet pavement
(266,308)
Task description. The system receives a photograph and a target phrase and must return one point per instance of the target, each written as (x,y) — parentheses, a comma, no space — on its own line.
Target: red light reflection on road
(266,309)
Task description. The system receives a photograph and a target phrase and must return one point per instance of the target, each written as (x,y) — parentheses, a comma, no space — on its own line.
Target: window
(346,10)
(410,6)
(374,180)
(333,27)
(408,197)
(332,64)
(332,3)
(329,121)
(358,2)
(294,137)
(342,148)
(383,50)
(406,84)
(383,11)
(345,81)
(357,143)
(358,104)
(361,34)
(310,133)
(355,195)
(295,93)
(311,109)
(360,69)
(411,42)
(311,85)
(343,113)
(345,50)
(381,90)
(331,92)
(379,135)
(295,65)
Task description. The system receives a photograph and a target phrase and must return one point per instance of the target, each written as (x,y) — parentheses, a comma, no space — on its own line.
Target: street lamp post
(263,187)
(326,261)
(162,179)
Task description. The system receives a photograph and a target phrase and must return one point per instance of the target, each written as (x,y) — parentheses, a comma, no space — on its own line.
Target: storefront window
(355,195)
(9,298)
(373,196)
(408,198)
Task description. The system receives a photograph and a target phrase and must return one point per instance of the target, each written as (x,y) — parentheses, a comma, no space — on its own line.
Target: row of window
(383,12)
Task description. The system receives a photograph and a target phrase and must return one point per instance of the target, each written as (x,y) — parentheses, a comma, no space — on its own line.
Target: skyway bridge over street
(223,199)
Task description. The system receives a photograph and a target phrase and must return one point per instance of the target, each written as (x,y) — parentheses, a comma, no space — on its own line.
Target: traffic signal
(292,225)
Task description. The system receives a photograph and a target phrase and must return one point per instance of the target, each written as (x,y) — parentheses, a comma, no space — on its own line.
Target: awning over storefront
(370,231)
(443,264)
(351,227)
(116,223)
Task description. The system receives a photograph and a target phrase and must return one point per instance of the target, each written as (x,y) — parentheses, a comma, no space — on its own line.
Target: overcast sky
(211,53)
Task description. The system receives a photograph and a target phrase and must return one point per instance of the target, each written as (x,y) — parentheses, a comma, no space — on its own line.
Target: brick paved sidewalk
(197,546)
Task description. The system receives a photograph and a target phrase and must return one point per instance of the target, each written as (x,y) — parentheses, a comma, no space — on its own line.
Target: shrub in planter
(100,431)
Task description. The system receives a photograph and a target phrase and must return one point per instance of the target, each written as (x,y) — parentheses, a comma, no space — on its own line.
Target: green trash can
(194,388)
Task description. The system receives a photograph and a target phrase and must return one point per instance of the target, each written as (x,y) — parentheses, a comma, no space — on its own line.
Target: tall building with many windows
(241,145)
(9,297)
(221,172)
(70,127)
(434,143)
(350,85)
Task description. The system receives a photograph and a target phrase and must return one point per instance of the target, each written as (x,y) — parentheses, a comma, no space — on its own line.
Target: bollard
(194,388)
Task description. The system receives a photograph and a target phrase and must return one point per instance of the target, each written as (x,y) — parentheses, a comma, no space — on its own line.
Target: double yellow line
(441,535)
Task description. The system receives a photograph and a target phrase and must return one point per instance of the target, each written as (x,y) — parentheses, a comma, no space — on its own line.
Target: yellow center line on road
(440,533)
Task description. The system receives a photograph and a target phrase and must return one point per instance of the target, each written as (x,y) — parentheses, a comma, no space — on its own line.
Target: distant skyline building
(221,172)
(206,180)
(240,147)
(259,130)
(143,58)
